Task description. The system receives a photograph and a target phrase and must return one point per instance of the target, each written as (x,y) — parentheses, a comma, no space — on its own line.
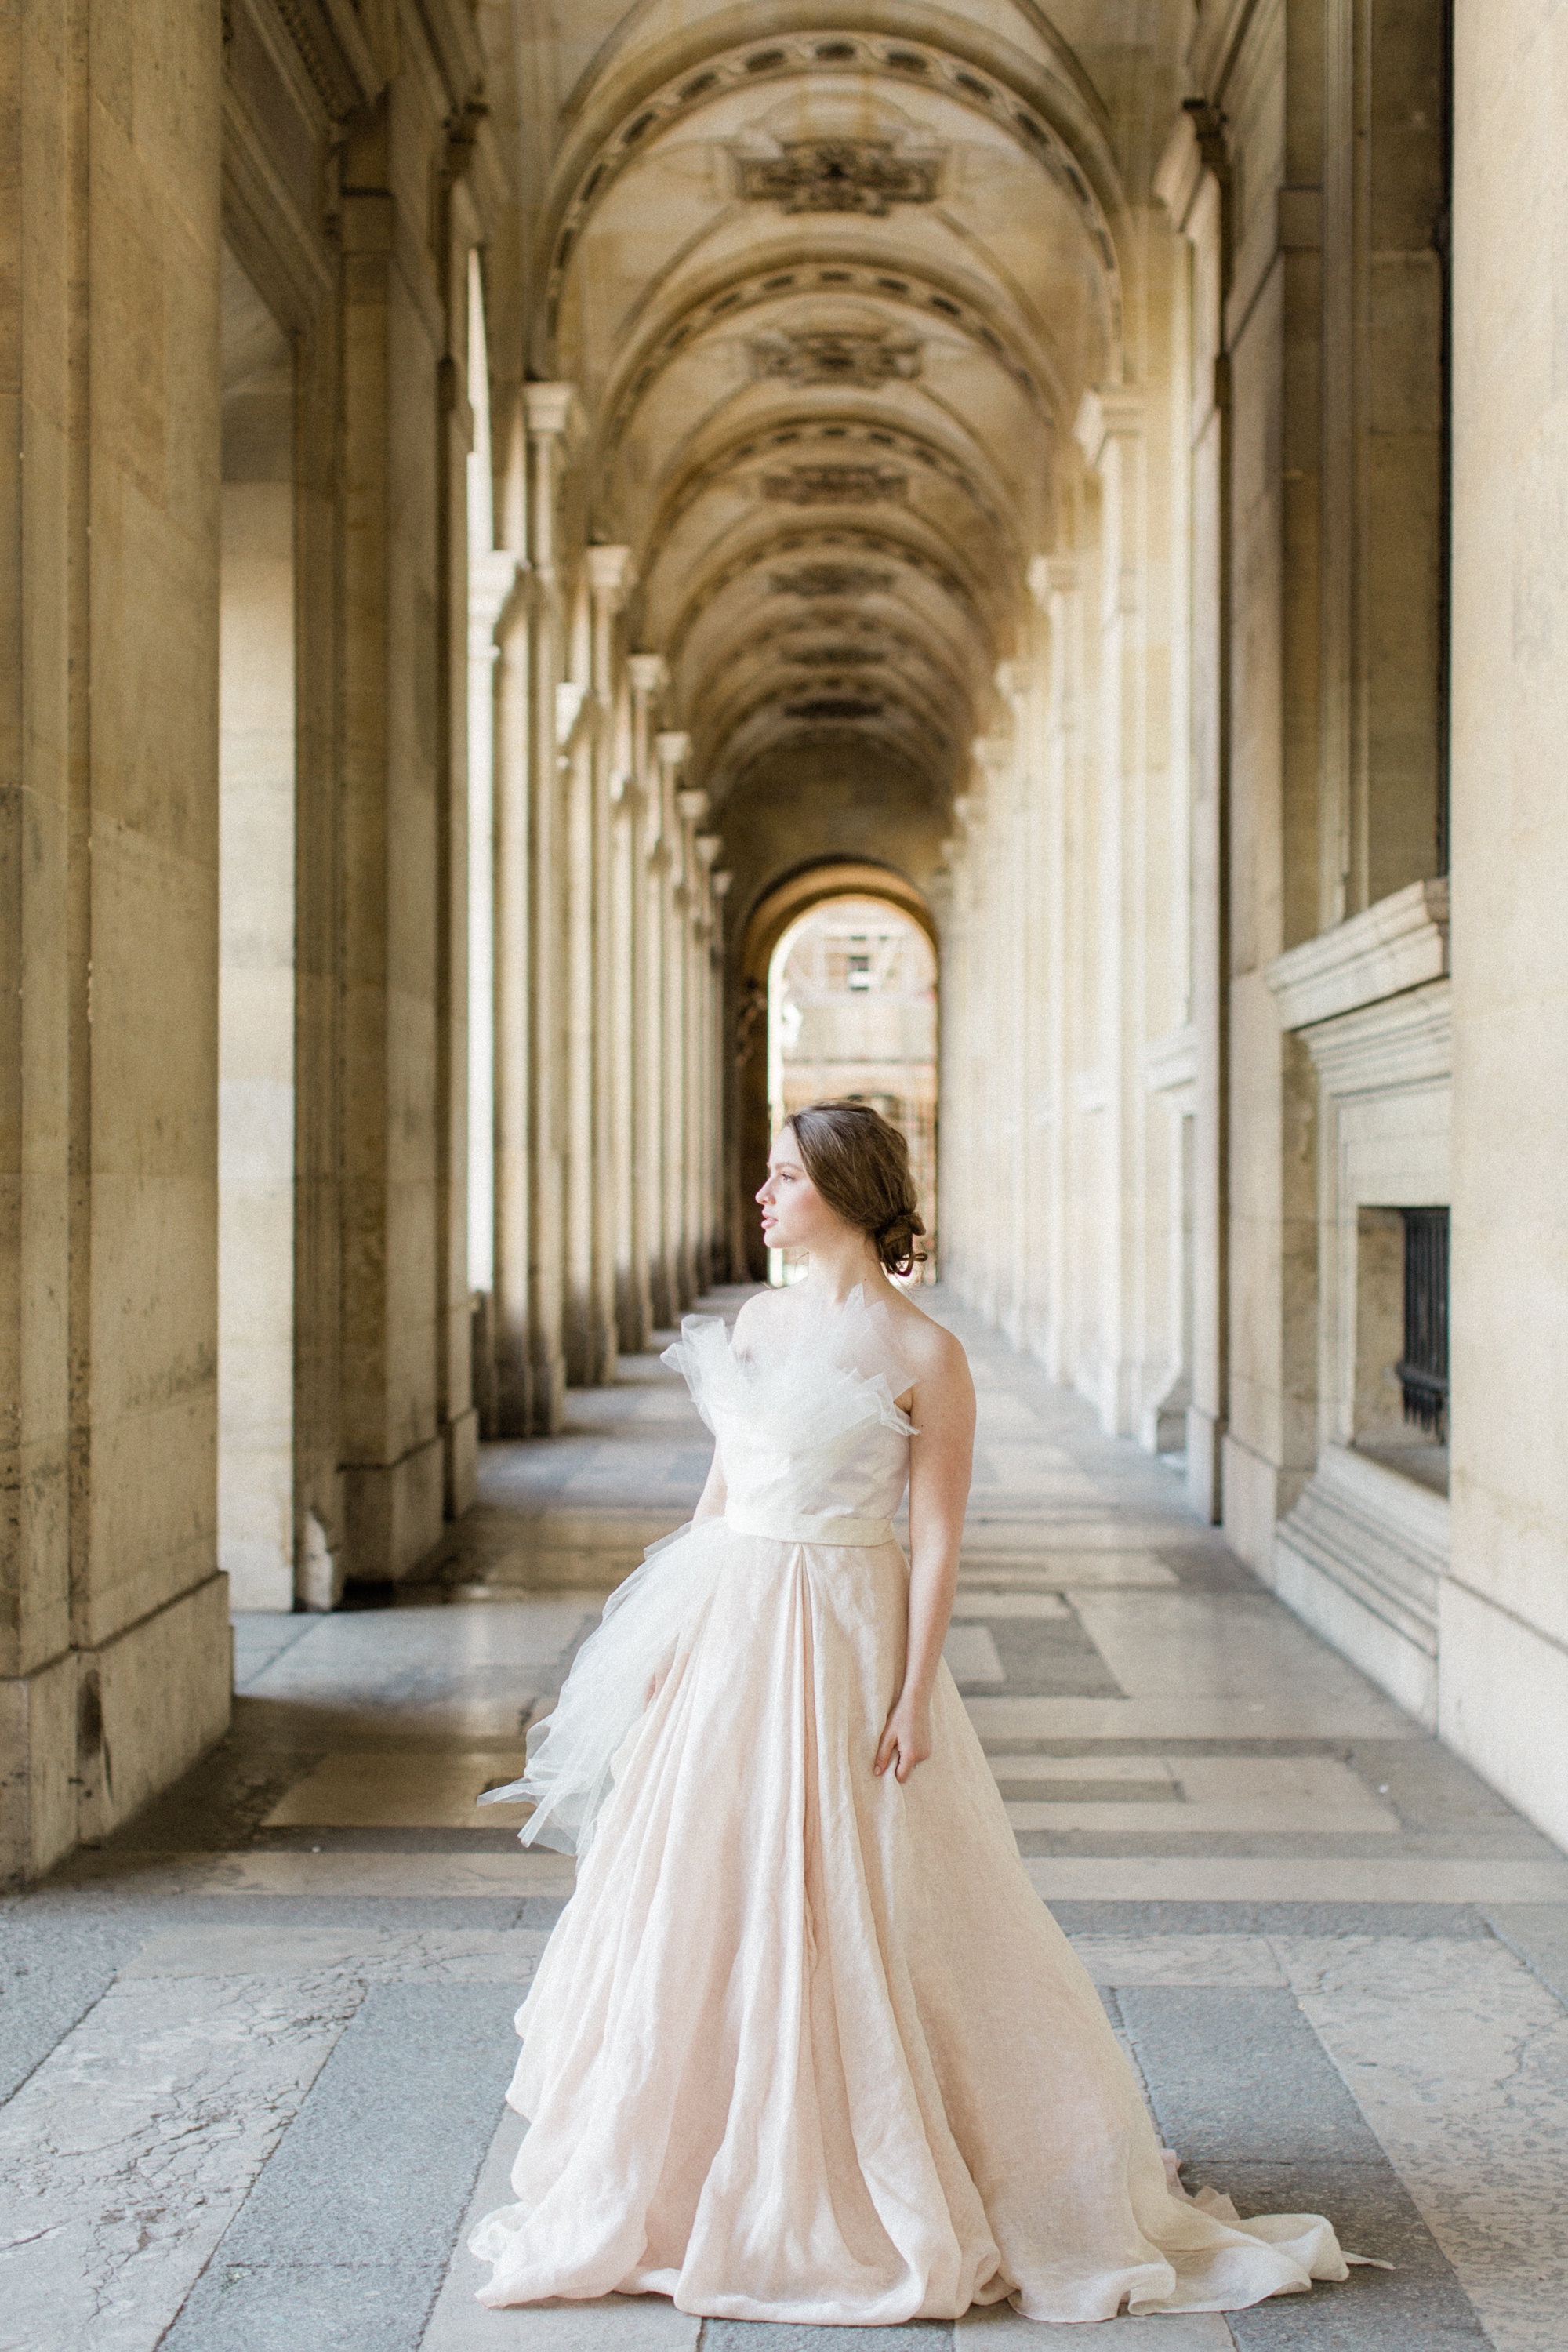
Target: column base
(460,1441)
(396,1513)
(94,1735)
(1205,1437)
(1257,1494)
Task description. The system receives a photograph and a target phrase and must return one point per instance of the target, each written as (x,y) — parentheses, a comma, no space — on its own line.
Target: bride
(805,2044)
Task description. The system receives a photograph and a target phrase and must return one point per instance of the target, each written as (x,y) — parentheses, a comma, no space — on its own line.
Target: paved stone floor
(255,2050)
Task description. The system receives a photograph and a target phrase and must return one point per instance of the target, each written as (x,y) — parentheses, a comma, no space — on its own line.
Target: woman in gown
(805,2044)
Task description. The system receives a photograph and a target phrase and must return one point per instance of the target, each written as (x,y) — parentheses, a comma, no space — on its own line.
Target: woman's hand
(906,1738)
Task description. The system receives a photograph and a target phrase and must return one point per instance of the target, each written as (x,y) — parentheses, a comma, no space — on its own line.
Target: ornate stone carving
(826,355)
(831,580)
(835,486)
(839,175)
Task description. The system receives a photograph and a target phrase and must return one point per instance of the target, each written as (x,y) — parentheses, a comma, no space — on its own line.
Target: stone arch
(781,905)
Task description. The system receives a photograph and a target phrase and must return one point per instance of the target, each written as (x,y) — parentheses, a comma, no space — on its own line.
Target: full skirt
(805,2043)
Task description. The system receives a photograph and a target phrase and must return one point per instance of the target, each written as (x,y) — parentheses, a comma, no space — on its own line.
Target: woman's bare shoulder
(930,1348)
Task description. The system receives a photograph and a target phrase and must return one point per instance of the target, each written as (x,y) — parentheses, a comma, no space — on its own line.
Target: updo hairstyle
(860,1164)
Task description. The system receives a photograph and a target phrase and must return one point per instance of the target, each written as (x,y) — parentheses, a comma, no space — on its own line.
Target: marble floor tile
(1210,1646)
(362,1789)
(1176,1960)
(1060,1571)
(1135,1770)
(977,1600)
(971,1655)
(1222,1795)
(1458,2057)
(125,2156)
(1171,1716)
(1190,2331)
(1244,1878)
(390,1956)
(349,1876)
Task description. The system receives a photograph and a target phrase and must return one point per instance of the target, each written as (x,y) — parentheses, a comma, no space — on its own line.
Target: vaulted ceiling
(831,281)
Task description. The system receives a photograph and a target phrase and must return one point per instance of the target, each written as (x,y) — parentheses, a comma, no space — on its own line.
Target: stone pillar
(548,410)
(1194,181)
(1110,432)
(708,846)
(513,930)
(644,883)
(725,1206)
(581,1332)
(492,581)
(113,1629)
(672,749)
(610,576)
(691,807)
(1054,582)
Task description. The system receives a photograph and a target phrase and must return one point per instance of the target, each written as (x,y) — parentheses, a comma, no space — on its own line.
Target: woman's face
(794,1214)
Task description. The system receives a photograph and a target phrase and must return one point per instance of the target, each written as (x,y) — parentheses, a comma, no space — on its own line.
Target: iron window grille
(1423,1368)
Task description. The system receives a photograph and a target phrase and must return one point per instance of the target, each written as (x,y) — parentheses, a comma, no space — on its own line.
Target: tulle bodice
(809,1433)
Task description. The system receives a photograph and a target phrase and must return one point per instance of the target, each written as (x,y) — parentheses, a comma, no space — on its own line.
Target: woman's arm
(940,1459)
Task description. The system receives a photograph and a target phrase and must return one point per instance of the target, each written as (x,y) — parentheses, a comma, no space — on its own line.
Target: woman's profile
(805,2044)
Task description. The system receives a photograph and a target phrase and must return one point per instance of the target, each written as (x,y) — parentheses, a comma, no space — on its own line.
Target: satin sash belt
(864,1533)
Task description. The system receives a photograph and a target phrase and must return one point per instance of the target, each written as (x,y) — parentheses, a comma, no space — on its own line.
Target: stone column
(492,580)
(548,410)
(1109,430)
(1194,181)
(513,932)
(672,749)
(726,1208)
(1054,584)
(691,806)
(580,1026)
(646,676)
(609,576)
(708,846)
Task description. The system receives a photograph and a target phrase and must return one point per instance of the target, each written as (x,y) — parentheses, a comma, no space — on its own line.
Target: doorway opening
(851,1016)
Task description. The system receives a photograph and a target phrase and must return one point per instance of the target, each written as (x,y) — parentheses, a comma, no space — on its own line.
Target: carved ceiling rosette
(840,175)
(834,485)
(861,358)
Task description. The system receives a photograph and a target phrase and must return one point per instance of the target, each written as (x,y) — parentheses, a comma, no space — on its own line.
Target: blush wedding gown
(805,2044)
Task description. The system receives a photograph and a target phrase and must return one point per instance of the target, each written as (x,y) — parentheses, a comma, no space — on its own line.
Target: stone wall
(1503,1667)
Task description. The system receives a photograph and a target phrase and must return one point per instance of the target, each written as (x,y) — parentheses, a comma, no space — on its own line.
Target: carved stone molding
(826,355)
(334,53)
(831,580)
(833,705)
(839,175)
(833,486)
(836,656)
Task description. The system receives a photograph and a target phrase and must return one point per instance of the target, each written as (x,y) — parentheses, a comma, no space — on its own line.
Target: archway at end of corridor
(837,997)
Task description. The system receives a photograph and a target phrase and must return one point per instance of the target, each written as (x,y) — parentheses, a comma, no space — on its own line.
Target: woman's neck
(837,1269)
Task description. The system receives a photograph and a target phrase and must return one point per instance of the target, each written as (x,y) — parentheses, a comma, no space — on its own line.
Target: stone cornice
(337,59)
(1400,943)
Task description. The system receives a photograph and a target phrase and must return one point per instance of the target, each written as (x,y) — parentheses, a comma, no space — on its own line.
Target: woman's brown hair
(860,1163)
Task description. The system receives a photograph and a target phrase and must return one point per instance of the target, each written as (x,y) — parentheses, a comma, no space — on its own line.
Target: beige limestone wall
(110,783)
(1503,1672)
